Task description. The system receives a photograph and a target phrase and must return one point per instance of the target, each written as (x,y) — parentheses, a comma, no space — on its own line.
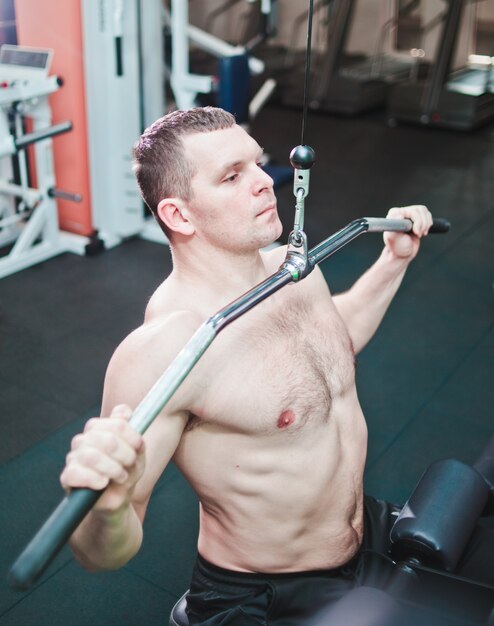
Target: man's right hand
(108,455)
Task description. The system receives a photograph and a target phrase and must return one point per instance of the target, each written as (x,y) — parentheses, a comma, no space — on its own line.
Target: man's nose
(263,182)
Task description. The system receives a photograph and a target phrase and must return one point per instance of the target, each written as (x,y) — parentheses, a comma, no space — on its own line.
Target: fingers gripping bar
(57,529)
(379,225)
(367,225)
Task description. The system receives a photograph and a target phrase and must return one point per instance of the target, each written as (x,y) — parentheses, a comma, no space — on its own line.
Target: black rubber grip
(51,537)
(440,225)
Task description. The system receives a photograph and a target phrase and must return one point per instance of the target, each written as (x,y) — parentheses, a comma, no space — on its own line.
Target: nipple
(286,419)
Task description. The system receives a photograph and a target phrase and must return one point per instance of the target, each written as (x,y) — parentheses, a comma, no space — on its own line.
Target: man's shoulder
(145,353)
(149,349)
(163,335)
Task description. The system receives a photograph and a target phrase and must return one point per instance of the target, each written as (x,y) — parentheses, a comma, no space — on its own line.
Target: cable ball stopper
(302,157)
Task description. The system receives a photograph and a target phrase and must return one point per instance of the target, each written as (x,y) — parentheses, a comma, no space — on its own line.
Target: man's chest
(277,367)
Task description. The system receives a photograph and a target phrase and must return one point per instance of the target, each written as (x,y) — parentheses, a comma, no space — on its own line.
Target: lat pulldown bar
(76,505)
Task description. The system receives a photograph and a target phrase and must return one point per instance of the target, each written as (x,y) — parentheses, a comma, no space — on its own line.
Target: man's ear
(174,213)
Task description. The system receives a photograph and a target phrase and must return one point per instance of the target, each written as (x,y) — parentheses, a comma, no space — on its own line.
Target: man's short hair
(160,165)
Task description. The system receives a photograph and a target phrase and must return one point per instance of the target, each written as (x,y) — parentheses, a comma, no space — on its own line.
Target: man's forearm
(107,541)
(364,305)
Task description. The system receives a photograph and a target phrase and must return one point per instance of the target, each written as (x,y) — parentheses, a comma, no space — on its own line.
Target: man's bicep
(133,370)
(142,358)
(161,441)
(129,385)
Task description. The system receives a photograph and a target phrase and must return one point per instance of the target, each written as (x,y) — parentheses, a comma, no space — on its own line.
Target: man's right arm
(110,455)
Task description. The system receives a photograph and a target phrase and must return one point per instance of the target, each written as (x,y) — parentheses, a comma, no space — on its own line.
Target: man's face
(233,205)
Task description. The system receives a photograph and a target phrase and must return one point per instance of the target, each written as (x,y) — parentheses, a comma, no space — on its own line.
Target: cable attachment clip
(302,159)
(297,257)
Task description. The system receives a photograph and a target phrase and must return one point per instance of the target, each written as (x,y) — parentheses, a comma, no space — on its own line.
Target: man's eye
(231,179)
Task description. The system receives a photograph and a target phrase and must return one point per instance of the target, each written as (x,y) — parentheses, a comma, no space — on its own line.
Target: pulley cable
(302,158)
(308,56)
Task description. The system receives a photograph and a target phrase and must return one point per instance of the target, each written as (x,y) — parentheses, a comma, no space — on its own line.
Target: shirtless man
(267,428)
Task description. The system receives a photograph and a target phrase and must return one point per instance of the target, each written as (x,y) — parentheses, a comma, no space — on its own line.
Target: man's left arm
(363,306)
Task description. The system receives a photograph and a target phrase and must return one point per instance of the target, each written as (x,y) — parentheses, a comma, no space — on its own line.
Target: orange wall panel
(57,24)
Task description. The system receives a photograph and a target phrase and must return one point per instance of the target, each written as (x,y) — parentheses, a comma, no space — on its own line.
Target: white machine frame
(185,85)
(32,225)
(122,96)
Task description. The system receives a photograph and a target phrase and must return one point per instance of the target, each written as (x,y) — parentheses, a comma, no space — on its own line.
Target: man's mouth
(270,207)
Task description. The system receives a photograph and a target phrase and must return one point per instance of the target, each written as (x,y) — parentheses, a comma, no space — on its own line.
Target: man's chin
(271,242)
(279,231)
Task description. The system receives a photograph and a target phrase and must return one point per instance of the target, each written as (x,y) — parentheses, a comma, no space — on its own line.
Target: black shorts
(222,597)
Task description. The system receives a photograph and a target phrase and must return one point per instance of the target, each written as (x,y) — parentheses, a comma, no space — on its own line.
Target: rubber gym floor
(425,380)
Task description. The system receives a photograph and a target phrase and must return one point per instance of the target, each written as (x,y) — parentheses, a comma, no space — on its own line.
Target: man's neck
(220,273)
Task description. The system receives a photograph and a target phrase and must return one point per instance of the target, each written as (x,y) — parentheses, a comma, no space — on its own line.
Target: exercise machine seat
(438,519)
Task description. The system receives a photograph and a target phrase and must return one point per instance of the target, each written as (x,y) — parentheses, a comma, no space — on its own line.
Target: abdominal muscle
(281,501)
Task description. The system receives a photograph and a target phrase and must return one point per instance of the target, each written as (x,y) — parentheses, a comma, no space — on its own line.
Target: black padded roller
(440,515)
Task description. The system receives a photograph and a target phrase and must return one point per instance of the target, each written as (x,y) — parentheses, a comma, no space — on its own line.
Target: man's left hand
(406,246)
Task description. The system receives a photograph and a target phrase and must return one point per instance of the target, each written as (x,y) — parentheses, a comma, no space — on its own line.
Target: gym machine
(111,55)
(187,86)
(353,83)
(461,100)
(124,94)
(29,230)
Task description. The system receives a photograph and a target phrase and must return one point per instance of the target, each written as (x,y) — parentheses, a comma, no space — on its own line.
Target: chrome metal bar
(161,392)
(249,300)
(168,383)
(330,245)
